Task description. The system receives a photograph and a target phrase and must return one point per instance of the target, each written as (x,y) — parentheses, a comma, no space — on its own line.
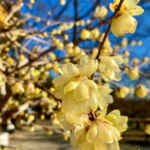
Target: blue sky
(41,8)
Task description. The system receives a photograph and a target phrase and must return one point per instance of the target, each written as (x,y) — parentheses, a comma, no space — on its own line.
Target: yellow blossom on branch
(103,133)
(124,22)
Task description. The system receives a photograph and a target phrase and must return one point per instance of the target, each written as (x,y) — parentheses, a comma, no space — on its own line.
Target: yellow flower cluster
(102,133)
(81,92)
(84,103)
(100,12)
(124,22)
(76,89)
(109,67)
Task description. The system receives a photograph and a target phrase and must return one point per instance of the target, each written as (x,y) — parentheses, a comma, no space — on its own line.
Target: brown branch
(48,92)
(8,114)
(31,61)
(108,29)
(75,20)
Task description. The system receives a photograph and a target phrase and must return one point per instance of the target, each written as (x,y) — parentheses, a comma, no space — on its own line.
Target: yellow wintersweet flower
(118,121)
(80,100)
(141,91)
(103,96)
(72,75)
(122,92)
(124,22)
(78,93)
(69,121)
(73,106)
(109,67)
(98,136)
(101,134)
(100,12)
(133,73)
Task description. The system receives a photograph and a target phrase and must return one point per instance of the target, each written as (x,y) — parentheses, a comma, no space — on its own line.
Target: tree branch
(108,29)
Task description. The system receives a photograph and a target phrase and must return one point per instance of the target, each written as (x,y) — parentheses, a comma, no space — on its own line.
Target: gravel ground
(38,140)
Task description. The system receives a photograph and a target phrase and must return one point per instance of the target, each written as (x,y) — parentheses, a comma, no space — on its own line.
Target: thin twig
(32,61)
(75,20)
(108,29)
